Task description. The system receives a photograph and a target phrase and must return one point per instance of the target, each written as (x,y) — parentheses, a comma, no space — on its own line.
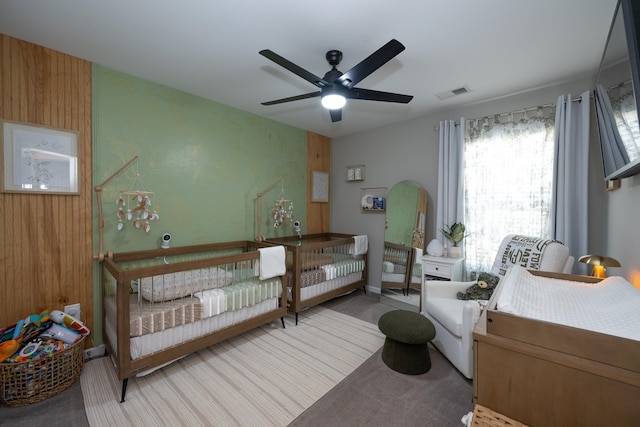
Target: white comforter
(611,306)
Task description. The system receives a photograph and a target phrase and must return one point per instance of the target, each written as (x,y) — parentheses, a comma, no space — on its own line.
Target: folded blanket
(272,262)
(360,245)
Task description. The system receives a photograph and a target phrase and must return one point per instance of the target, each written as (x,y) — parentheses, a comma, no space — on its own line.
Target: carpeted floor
(265,377)
(374,395)
(371,395)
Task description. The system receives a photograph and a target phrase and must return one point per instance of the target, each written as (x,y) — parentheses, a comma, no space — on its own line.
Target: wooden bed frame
(546,374)
(315,243)
(120,351)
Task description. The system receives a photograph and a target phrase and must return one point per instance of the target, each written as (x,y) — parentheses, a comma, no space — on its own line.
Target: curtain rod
(511,113)
(520,111)
(621,84)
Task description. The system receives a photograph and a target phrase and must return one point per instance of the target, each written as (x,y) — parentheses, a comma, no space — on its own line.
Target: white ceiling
(210,48)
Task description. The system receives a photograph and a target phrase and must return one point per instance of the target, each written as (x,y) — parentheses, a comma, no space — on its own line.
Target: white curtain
(507,181)
(569,207)
(450,207)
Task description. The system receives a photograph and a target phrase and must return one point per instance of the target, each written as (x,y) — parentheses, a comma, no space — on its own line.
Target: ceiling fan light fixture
(336,86)
(333,101)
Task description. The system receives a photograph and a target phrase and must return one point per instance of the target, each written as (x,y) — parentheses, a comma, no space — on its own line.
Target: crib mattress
(238,295)
(147,317)
(151,343)
(166,287)
(393,277)
(307,278)
(326,286)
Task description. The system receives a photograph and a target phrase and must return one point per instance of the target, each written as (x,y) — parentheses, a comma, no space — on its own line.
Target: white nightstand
(439,268)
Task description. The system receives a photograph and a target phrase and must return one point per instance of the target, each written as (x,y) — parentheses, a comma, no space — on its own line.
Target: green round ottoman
(405,346)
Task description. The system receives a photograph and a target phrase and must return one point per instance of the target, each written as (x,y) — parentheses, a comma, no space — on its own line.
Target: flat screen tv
(617,94)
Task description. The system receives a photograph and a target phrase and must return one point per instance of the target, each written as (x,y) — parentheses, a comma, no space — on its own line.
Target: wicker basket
(23,383)
(486,417)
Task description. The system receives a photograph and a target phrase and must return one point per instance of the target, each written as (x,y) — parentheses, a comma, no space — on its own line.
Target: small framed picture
(355,173)
(319,186)
(38,159)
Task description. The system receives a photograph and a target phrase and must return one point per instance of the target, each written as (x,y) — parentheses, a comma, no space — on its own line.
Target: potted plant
(454,233)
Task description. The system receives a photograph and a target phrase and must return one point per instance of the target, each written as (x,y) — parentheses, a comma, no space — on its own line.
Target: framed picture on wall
(38,159)
(319,186)
(355,173)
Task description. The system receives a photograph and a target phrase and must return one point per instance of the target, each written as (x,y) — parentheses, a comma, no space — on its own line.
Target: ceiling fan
(335,86)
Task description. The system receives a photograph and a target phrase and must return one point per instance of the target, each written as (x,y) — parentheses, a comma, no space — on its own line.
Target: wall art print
(38,159)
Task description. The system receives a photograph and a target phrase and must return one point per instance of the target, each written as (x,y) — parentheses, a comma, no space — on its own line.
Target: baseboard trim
(94,352)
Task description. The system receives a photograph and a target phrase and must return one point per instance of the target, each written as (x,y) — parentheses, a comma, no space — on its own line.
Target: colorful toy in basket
(37,318)
(62,333)
(23,331)
(8,348)
(70,322)
(38,347)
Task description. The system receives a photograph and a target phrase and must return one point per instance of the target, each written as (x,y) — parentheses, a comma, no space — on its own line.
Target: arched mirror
(404,236)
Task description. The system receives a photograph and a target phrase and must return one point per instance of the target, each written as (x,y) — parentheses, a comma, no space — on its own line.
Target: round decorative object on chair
(405,347)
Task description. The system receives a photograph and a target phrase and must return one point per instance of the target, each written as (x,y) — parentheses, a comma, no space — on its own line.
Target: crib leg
(296,319)
(364,288)
(124,388)
(282,320)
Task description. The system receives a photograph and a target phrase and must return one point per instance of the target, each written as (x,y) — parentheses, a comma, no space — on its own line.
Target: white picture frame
(354,173)
(319,187)
(38,159)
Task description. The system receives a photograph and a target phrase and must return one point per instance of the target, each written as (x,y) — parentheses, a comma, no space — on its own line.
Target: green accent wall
(204,161)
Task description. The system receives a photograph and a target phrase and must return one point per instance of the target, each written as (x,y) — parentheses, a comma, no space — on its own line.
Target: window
(508,177)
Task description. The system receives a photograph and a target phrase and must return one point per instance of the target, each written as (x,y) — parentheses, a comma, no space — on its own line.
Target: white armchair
(455,319)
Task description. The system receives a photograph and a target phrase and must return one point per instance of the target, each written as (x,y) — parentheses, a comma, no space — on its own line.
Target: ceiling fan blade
(292,98)
(285,63)
(375,95)
(336,115)
(374,61)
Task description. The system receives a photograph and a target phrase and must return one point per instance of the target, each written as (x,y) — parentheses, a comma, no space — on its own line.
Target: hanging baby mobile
(282,210)
(136,205)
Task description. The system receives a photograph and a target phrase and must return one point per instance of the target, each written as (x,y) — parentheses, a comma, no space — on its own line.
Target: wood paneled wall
(46,240)
(318,159)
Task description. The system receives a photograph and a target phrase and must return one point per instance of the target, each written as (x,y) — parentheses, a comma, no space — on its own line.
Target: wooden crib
(321,267)
(163,304)
(396,262)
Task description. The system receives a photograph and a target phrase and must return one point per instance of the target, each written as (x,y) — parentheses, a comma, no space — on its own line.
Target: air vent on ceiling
(453,92)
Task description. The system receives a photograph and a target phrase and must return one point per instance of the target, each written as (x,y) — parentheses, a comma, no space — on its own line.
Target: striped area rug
(266,377)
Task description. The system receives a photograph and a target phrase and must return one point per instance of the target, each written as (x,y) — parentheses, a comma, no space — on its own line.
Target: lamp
(332,100)
(599,263)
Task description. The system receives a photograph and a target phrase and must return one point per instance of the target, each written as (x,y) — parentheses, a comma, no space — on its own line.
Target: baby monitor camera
(296,225)
(166,239)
